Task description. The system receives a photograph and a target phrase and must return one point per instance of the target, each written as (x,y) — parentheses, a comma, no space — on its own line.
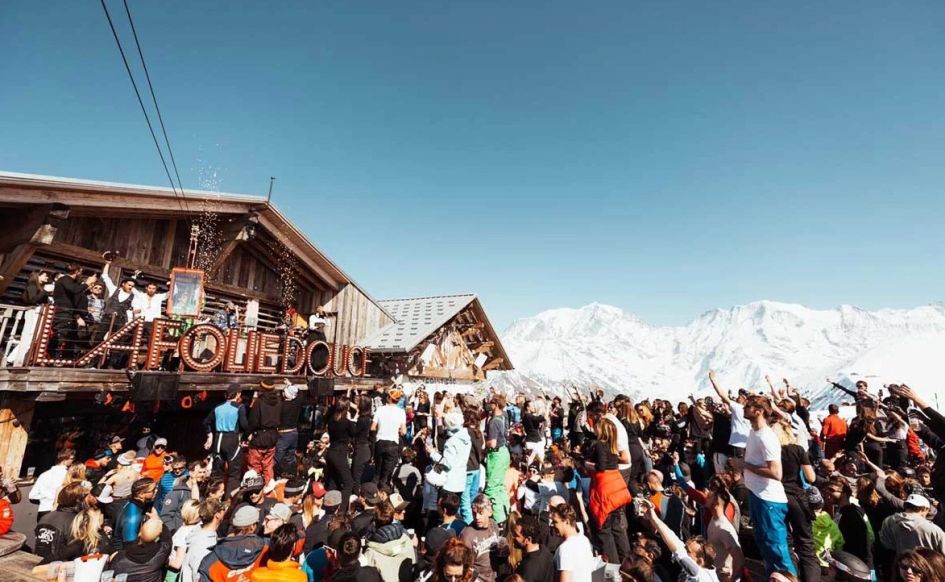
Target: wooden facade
(250,251)
(254,250)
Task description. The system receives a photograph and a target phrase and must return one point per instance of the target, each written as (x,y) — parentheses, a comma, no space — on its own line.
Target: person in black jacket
(341,431)
(265,414)
(288,442)
(54,531)
(144,560)
(69,298)
(362,440)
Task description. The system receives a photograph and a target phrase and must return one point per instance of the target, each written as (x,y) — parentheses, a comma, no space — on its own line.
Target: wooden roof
(416,319)
(90,197)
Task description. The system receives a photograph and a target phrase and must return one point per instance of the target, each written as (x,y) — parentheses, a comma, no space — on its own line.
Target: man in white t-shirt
(390,424)
(768,502)
(740,425)
(574,558)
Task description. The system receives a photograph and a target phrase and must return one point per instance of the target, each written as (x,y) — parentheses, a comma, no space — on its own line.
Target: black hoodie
(264,418)
(143,562)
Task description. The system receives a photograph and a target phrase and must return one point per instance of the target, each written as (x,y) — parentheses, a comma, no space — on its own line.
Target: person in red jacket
(833,432)
(9,494)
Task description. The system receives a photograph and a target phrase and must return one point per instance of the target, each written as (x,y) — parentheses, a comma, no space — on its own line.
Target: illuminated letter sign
(158,343)
(187,343)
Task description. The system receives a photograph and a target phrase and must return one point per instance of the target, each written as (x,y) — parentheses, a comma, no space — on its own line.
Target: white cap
(160,441)
(917,500)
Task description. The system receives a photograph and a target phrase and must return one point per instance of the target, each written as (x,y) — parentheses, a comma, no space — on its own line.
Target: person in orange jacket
(153,466)
(281,565)
(833,432)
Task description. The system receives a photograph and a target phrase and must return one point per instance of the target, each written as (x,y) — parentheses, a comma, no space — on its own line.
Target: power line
(147,76)
(140,101)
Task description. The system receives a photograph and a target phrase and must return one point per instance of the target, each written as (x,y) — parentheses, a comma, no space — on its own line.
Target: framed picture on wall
(185,296)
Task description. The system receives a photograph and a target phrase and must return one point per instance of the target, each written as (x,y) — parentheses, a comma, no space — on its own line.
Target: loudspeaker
(151,386)
(319,387)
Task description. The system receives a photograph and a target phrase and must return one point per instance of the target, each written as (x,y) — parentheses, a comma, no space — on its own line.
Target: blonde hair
(785,432)
(607,435)
(87,528)
(190,512)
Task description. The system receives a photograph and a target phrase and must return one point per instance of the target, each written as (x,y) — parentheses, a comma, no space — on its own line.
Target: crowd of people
(391,486)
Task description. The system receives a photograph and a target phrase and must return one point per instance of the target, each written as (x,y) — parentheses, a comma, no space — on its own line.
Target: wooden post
(16,415)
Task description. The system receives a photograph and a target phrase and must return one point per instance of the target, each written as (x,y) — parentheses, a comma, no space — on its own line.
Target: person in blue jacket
(135,512)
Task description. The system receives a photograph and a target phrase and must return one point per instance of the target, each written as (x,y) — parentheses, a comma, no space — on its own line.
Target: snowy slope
(600,345)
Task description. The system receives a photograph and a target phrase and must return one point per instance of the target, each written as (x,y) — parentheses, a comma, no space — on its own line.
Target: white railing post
(12,322)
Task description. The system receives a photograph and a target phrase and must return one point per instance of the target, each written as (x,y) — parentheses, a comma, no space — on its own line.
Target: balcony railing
(13,321)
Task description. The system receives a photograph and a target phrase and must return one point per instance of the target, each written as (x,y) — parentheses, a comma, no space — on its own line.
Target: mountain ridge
(602,345)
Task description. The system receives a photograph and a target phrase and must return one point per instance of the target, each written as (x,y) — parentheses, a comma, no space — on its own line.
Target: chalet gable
(440,337)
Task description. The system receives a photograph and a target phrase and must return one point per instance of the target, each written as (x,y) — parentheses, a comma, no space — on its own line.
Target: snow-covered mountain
(601,345)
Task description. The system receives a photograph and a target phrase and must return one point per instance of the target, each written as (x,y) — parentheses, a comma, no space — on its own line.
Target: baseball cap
(370,493)
(126,458)
(849,564)
(318,490)
(105,495)
(917,500)
(293,487)
(398,502)
(245,516)
(160,441)
(333,498)
(115,440)
(282,511)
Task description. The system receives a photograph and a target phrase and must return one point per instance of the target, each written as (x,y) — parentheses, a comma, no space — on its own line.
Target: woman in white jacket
(455,452)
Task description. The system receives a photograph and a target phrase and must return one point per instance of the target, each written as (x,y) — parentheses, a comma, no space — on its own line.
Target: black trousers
(386,458)
(338,473)
(896,455)
(227,458)
(62,342)
(800,519)
(612,537)
(362,456)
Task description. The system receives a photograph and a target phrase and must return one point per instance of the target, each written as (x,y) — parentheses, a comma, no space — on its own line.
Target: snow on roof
(415,319)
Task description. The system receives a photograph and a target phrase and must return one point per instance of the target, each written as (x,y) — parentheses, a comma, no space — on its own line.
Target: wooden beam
(121,200)
(169,237)
(484,347)
(491,365)
(472,330)
(232,234)
(84,380)
(35,225)
(15,262)
(304,258)
(16,415)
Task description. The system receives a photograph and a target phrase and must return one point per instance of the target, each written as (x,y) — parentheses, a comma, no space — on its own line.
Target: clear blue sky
(664,157)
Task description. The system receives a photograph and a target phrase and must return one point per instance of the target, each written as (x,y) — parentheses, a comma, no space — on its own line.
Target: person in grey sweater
(911,528)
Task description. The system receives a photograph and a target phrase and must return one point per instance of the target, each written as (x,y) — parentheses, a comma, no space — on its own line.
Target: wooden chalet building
(247,250)
(438,339)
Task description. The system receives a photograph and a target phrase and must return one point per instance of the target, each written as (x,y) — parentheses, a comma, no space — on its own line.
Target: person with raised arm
(740,426)
(696,557)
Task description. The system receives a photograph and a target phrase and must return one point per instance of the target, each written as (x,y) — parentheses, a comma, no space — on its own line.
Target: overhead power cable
(157,108)
(144,111)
